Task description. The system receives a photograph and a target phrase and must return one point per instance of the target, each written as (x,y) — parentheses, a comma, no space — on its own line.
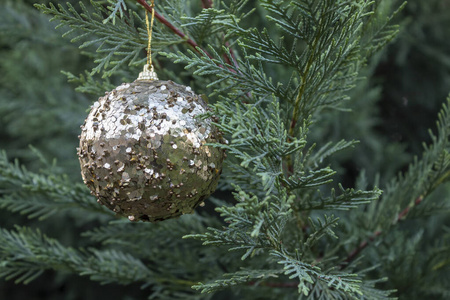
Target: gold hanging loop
(150,32)
(148,73)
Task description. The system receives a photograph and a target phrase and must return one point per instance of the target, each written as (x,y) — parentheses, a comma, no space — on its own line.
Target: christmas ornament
(143,149)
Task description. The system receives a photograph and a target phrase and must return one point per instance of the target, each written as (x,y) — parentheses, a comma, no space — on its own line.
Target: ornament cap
(148,73)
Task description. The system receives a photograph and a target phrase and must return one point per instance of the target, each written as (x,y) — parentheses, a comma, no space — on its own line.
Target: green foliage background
(391,110)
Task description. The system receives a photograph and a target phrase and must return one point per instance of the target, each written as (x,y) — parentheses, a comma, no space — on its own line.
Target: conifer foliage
(284,224)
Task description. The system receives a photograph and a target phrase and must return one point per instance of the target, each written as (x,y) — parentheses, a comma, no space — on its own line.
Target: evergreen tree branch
(208,23)
(299,98)
(354,253)
(256,227)
(26,253)
(347,199)
(139,237)
(118,44)
(40,196)
(422,178)
(231,80)
(88,85)
(347,284)
(118,7)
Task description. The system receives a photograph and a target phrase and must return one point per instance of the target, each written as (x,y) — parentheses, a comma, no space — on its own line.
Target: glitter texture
(143,154)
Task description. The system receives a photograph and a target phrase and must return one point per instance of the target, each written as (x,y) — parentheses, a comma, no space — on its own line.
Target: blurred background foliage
(403,89)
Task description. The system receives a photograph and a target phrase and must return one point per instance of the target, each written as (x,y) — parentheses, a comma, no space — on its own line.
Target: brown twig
(206,3)
(406,210)
(227,59)
(173,28)
(360,248)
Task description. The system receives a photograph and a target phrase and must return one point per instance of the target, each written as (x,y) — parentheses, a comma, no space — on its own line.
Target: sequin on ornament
(143,154)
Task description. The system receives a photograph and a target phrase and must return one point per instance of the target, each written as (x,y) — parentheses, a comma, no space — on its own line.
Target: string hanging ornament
(144,153)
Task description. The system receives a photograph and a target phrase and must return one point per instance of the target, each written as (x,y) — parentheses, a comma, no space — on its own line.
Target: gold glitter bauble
(143,150)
